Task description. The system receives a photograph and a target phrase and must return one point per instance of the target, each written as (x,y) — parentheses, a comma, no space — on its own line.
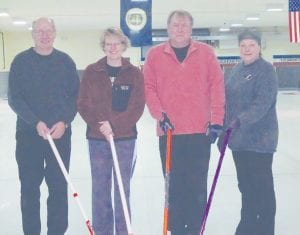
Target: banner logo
(136,19)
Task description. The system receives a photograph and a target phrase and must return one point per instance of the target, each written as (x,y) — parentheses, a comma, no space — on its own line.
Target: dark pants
(36,161)
(188,181)
(255,181)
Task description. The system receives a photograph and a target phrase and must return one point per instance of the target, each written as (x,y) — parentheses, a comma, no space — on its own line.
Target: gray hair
(51,21)
(182,13)
(114,31)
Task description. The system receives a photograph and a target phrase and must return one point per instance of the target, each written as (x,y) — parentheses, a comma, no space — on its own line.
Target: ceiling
(98,14)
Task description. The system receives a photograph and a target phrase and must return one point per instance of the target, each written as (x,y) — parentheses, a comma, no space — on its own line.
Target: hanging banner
(136,21)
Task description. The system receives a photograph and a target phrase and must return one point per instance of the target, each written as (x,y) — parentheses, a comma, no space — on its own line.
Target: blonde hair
(114,31)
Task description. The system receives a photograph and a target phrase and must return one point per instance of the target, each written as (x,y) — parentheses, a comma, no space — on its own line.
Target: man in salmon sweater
(184,89)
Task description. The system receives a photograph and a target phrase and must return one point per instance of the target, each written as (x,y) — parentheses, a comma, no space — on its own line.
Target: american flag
(294,20)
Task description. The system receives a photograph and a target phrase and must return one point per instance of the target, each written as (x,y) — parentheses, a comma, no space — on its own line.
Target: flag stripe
(290,27)
(298,26)
(294,27)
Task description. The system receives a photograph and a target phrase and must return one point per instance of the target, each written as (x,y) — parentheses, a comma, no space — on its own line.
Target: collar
(168,48)
(100,65)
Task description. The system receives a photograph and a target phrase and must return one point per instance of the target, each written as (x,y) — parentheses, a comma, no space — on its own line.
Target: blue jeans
(104,215)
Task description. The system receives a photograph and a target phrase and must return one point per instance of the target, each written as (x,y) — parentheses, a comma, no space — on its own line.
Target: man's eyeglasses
(42,32)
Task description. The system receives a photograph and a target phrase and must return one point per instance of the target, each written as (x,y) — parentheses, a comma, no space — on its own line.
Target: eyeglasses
(115,44)
(42,32)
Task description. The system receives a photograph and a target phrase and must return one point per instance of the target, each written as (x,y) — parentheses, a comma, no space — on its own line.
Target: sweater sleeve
(72,87)
(85,103)
(15,95)
(217,91)
(152,100)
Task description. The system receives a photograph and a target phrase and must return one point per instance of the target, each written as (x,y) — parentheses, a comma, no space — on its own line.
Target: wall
(82,46)
(272,44)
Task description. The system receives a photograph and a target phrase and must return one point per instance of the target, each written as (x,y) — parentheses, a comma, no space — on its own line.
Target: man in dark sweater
(43,88)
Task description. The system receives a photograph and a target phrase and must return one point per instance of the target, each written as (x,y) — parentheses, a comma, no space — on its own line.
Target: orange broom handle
(167,180)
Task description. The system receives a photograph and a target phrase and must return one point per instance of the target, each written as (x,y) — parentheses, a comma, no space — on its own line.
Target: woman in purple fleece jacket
(251,92)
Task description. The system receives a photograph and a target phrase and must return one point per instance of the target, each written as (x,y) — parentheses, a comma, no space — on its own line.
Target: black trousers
(36,162)
(255,182)
(188,181)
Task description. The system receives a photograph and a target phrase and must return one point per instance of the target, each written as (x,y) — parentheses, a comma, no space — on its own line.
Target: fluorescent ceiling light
(19,22)
(274,7)
(236,25)
(3,13)
(223,29)
(252,18)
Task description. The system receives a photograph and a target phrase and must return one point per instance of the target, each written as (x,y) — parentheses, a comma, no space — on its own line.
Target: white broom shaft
(66,175)
(120,183)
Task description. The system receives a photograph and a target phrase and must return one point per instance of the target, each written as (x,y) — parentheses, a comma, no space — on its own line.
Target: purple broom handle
(212,190)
